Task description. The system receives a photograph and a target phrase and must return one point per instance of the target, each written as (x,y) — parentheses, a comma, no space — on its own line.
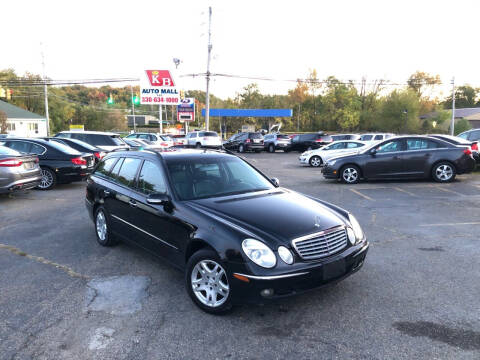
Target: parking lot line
(362,195)
(452,224)
(405,191)
(448,190)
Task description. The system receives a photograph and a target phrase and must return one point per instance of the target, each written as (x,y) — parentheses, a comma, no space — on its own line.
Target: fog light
(266,292)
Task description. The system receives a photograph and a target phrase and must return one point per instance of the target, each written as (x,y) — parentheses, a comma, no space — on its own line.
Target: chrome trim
(317,234)
(274,277)
(340,242)
(145,232)
(365,247)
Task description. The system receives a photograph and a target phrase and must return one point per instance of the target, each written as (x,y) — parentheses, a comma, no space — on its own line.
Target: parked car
(318,157)
(237,235)
(472,135)
(373,138)
(272,142)
(58,163)
(408,157)
(179,140)
(80,146)
(156,139)
(18,171)
(461,141)
(200,139)
(245,141)
(338,137)
(104,140)
(310,141)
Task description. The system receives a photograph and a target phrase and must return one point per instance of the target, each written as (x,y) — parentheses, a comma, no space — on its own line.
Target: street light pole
(207,95)
(133,110)
(46,93)
(452,124)
(406,119)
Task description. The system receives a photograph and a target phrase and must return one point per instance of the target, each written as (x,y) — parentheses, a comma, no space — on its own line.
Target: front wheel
(49,179)
(443,172)
(315,161)
(350,174)
(207,283)
(198,146)
(271,148)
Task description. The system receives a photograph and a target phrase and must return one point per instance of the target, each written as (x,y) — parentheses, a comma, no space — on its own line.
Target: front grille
(321,244)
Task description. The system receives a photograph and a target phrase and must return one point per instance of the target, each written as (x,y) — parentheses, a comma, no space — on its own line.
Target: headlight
(357,229)
(259,253)
(306,153)
(285,255)
(331,162)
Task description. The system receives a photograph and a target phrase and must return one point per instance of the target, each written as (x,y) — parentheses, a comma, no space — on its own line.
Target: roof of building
(459,113)
(15,112)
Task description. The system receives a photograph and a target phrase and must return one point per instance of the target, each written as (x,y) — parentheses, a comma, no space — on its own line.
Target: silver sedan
(18,171)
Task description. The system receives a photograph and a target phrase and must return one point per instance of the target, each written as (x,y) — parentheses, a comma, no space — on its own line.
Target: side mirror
(373,151)
(159,199)
(275,182)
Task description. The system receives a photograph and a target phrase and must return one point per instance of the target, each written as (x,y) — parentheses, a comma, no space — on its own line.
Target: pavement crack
(42,260)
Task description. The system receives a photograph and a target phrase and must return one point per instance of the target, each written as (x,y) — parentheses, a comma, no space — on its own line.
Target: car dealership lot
(64,296)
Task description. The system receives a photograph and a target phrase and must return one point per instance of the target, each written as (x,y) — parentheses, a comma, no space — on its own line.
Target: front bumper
(72,174)
(311,276)
(329,172)
(303,159)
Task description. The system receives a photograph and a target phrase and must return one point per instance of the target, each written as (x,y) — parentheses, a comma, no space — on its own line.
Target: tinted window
(37,149)
(6,151)
(474,135)
(354,145)
(127,173)
(256,136)
(420,144)
(339,145)
(144,136)
(64,148)
(80,145)
(104,167)
(21,146)
(296,138)
(307,137)
(282,137)
(208,133)
(116,168)
(390,146)
(378,137)
(366,137)
(151,179)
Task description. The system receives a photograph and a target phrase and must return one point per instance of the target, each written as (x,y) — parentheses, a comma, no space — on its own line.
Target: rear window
(208,133)
(283,137)
(256,136)
(366,137)
(6,151)
(98,139)
(64,148)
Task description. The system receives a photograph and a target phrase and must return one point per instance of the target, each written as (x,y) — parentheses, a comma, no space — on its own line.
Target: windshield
(205,177)
(6,151)
(208,133)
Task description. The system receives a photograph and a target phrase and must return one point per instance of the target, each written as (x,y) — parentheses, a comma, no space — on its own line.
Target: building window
(10,126)
(33,127)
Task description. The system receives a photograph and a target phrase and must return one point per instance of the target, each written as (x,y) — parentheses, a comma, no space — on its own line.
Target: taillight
(319,140)
(163,144)
(79,161)
(99,155)
(467,151)
(474,146)
(36,161)
(247,141)
(10,163)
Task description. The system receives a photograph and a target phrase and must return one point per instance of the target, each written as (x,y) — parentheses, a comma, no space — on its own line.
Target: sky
(282,40)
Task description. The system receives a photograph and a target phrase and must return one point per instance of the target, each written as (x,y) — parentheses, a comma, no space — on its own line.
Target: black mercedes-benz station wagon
(238,236)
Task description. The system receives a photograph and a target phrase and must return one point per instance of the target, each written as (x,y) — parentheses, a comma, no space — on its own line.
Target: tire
(198,146)
(211,292)
(49,179)
(443,172)
(315,161)
(271,148)
(350,174)
(241,148)
(102,227)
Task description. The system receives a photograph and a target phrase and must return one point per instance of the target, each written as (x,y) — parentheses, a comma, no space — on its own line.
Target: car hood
(279,215)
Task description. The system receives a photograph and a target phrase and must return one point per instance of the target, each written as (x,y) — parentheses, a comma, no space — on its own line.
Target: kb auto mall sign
(158,87)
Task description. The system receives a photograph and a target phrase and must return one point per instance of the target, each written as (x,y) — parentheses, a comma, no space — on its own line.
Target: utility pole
(160,118)
(452,125)
(133,110)
(46,92)
(207,100)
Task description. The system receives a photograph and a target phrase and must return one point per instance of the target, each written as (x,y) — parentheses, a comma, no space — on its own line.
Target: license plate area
(28,165)
(334,269)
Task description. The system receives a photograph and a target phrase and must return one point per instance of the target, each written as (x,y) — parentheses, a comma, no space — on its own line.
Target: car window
(474,135)
(128,171)
(208,133)
(63,135)
(103,169)
(64,148)
(151,179)
(378,137)
(144,136)
(420,144)
(390,146)
(256,136)
(20,146)
(366,137)
(352,145)
(336,146)
(282,137)
(37,149)
(463,135)
(131,136)
(296,138)
(116,168)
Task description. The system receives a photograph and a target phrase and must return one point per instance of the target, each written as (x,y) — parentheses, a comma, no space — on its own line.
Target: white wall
(26,127)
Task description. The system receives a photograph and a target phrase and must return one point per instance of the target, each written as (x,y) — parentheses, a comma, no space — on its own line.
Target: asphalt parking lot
(62,296)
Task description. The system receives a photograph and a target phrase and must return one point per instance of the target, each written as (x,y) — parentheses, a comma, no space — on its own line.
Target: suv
(274,142)
(245,141)
(154,139)
(310,141)
(200,139)
(472,135)
(104,140)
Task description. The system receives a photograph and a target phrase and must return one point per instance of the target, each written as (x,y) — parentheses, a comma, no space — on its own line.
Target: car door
(161,232)
(386,161)
(417,157)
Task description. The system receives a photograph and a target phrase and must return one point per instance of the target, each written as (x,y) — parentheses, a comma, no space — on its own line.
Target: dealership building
(23,123)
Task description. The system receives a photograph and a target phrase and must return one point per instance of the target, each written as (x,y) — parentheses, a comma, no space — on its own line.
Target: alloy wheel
(350,175)
(209,283)
(315,161)
(444,172)
(101,225)
(47,179)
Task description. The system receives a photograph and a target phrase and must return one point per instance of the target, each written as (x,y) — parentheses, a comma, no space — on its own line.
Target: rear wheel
(271,148)
(198,145)
(207,283)
(102,227)
(443,172)
(315,161)
(49,179)
(241,148)
(350,174)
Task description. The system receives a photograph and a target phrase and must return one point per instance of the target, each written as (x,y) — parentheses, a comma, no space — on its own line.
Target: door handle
(133,203)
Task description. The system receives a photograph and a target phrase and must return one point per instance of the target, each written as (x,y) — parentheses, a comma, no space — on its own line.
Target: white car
(318,157)
(200,139)
(375,137)
(162,140)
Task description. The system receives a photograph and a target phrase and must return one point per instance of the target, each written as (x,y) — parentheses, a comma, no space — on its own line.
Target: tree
(342,106)
(3,122)
(461,126)
(400,112)
(465,96)
(420,81)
